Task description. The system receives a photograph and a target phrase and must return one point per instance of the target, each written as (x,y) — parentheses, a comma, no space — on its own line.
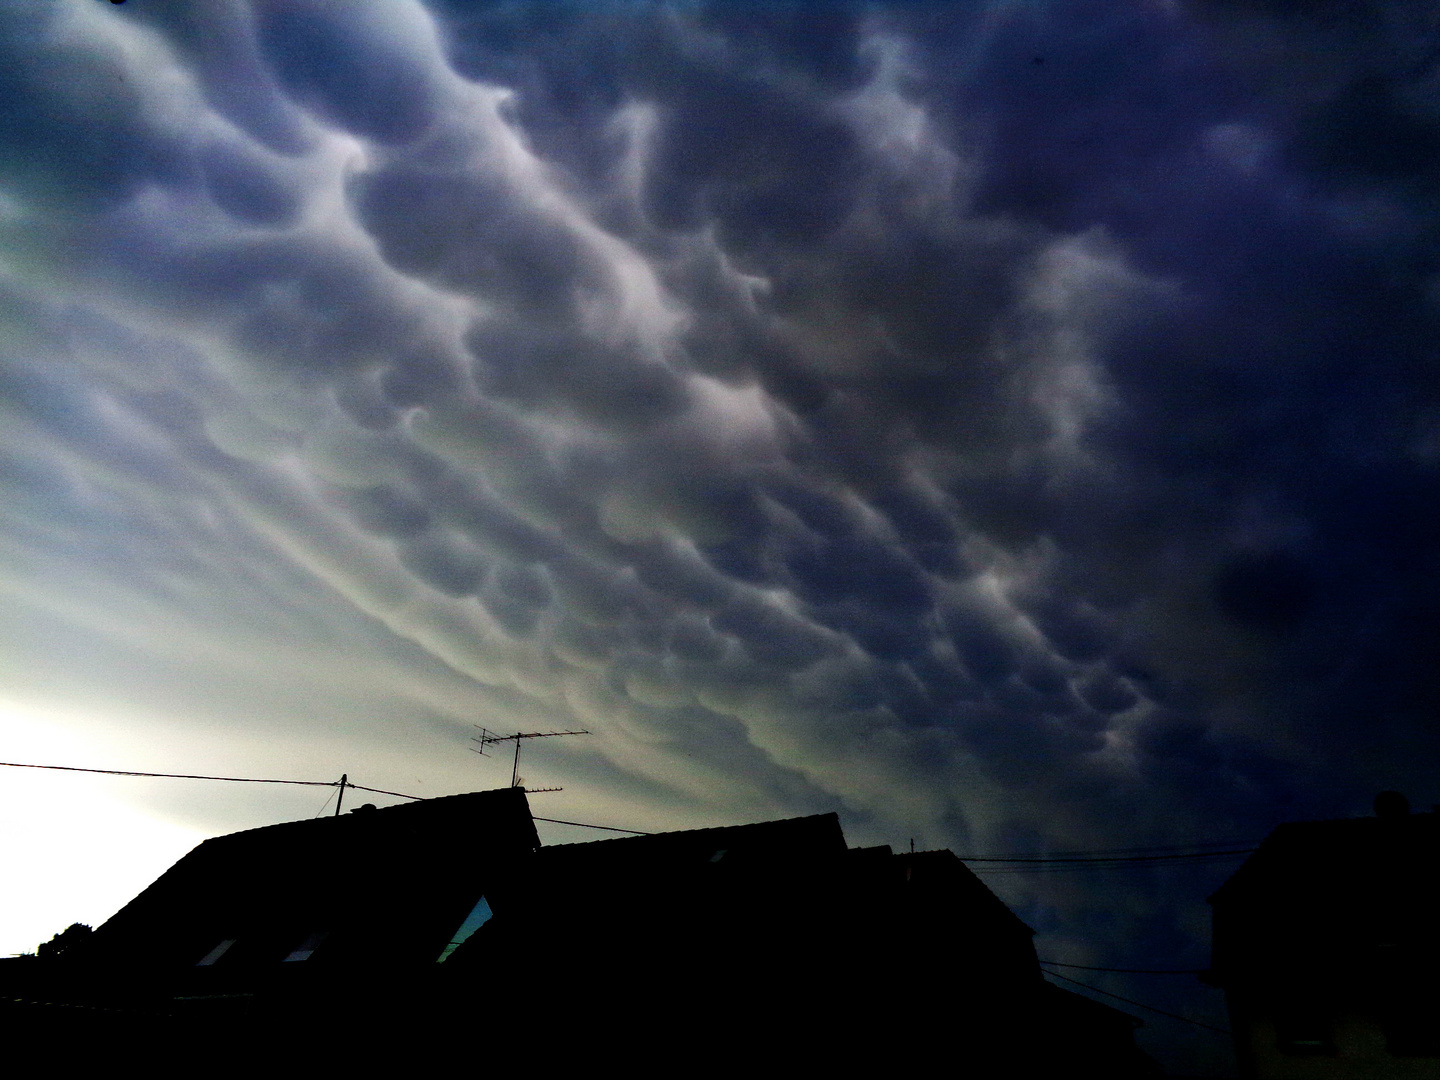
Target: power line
(1070,865)
(1127,971)
(583,825)
(1009,863)
(229,779)
(1072,868)
(1192,847)
(382,791)
(306,783)
(1139,1004)
(1097,857)
(183,776)
(325,804)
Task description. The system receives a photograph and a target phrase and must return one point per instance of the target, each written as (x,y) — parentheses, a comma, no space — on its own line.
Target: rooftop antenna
(489,738)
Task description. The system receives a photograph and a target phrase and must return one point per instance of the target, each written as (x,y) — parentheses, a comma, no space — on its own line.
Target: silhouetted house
(369,889)
(776,942)
(394,932)
(1325,941)
(285,939)
(771,938)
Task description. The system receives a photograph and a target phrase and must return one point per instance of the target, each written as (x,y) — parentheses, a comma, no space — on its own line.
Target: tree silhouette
(63,942)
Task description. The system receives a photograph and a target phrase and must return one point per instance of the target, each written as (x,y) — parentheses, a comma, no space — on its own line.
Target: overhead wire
(1098,857)
(177,776)
(1001,871)
(1140,1004)
(1004,863)
(1033,865)
(382,791)
(326,803)
(584,825)
(306,783)
(1116,852)
(1127,971)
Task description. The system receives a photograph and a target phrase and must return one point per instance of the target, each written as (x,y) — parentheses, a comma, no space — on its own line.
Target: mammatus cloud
(1011,427)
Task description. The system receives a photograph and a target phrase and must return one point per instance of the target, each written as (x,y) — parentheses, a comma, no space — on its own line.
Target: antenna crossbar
(490,738)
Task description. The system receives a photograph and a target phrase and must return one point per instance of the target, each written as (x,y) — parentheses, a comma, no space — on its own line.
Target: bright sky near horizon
(1013,426)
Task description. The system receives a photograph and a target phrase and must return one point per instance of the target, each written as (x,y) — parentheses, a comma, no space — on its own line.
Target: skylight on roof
(479,915)
(216,953)
(306,948)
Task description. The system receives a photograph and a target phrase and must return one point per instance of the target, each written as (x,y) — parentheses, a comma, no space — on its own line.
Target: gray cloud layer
(1015,427)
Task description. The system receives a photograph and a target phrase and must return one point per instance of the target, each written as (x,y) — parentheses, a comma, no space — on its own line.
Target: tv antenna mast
(490,738)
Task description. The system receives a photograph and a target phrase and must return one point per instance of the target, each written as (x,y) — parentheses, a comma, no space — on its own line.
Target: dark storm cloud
(474,233)
(221,48)
(356,68)
(73,131)
(1011,425)
(241,184)
(595,381)
(933,307)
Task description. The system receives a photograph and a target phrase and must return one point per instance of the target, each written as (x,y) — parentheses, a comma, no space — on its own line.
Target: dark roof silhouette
(1369,851)
(1326,941)
(1347,880)
(381,886)
(390,932)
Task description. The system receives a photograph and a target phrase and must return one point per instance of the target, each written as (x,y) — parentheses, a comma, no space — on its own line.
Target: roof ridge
(318,821)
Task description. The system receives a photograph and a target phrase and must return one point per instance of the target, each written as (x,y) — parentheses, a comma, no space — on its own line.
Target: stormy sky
(1012,425)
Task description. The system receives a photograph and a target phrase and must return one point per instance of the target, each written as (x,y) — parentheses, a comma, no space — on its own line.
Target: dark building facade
(1325,942)
(393,932)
